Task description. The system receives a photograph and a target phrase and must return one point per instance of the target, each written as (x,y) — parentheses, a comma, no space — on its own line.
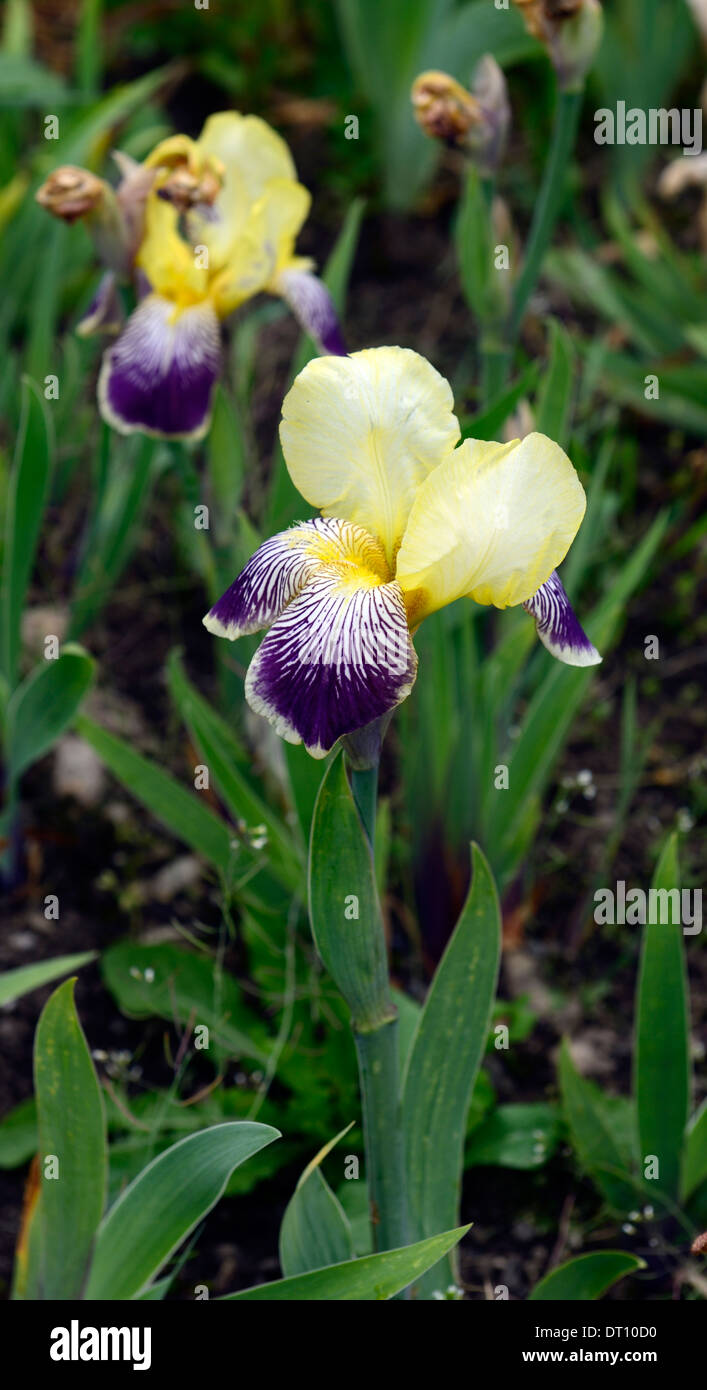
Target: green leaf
(661,1056)
(43,706)
(160,1208)
(27,494)
(695,1155)
(487,423)
(114,526)
(444,1059)
(589,1116)
(369,1279)
(187,817)
(72,1134)
(315,1231)
(587,1277)
(474,239)
(169,982)
(18,1134)
(551,713)
(15,983)
(515,1136)
(343,902)
(221,753)
(554,403)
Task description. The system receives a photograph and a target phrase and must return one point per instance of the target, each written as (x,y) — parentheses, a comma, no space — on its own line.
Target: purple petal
(105,312)
(312,306)
(557,626)
(280,569)
(338,658)
(159,376)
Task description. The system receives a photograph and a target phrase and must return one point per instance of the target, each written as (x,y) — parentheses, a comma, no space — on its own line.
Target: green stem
(378,1064)
(548,205)
(377,1054)
(364,785)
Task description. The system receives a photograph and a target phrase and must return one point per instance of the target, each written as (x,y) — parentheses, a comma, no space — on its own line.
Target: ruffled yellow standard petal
(251,146)
(251,258)
(492,522)
(361,433)
(170,263)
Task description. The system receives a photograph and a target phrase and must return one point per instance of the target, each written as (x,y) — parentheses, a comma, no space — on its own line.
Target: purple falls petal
(279,570)
(159,376)
(105,312)
(557,625)
(312,306)
(336,659)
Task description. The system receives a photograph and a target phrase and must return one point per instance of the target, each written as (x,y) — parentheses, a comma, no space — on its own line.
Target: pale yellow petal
(492,522)
(168,261)
(251,146)
(361,433)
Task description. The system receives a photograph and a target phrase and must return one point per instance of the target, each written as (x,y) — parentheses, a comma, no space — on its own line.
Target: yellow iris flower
(200,227)
(412,520)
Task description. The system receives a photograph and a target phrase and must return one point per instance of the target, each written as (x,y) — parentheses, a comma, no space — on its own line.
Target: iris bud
(475,121)
(571,31)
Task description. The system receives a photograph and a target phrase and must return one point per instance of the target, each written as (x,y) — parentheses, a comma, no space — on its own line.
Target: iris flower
(218,221)
(411,521)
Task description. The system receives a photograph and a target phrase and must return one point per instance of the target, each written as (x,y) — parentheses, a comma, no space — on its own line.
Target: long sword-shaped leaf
(589,1117)
(164,1203)
(587,1277)
(315,1230)
(661,1056)
(444,1060)
(29,484)
(219,749)
(44,704)
(372,1278)
(15,983)
(72,1147)
(170,802)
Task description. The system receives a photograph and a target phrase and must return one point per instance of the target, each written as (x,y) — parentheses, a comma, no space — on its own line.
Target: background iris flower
(218,220)
(412,520)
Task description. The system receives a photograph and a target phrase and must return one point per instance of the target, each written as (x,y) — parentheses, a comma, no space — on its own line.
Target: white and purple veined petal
(337,658)
(280,568)
(159,376)
(558,627)
(105,312)
(312,306)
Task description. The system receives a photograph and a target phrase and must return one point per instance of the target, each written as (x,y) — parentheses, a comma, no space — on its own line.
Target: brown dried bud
(70,193)
(186,190)
(699,1246)
(443,108)
(571,31)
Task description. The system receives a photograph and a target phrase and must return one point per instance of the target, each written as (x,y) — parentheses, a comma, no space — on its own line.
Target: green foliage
(42,707)
(444,1057)
(315,1231)
(27,495)
(644,1150)
(15,983)
(343,902)
(371,1278)
(165,1202)
(587,1277)
(661,1054)
(72,1148)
